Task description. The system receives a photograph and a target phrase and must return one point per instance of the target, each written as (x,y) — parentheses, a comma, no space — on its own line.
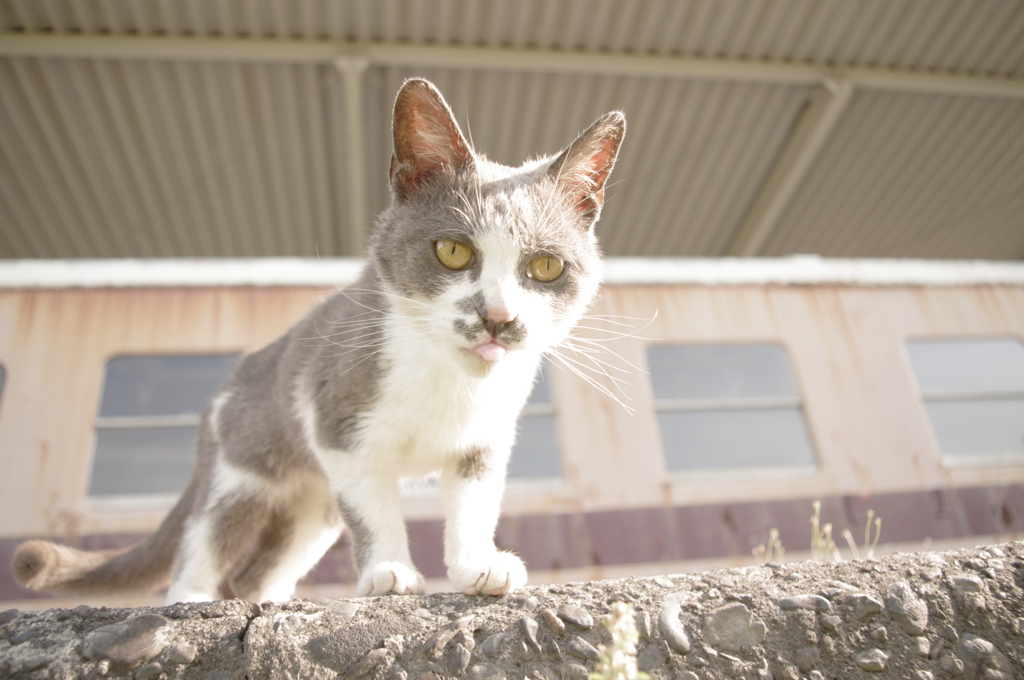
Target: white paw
(390,577)
(497,573)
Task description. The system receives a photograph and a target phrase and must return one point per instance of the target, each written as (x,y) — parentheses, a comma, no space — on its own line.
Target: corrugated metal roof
(159,145)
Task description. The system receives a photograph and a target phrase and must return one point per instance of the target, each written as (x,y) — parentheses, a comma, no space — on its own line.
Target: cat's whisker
(597,364)
(568,364)
(619,383)
(593,352)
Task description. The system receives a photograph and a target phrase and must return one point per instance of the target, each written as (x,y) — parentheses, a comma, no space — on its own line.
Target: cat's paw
(390,577)
(497,573)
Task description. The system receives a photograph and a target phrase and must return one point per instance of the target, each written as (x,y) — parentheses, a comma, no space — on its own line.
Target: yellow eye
(545,268)
(453,254)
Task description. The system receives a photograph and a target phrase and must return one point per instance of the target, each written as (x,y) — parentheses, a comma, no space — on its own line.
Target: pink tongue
(490,351)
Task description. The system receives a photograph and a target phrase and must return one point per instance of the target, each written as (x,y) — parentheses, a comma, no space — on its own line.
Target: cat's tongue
(490,351)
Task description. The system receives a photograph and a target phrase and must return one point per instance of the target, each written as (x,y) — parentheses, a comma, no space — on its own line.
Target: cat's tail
(42,565)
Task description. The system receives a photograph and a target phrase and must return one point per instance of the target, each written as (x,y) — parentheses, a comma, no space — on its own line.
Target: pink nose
(497,320)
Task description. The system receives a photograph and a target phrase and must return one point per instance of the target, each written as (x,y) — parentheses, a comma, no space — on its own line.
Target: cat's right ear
(428,141)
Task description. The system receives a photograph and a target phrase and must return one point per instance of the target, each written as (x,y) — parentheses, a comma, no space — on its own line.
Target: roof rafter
(306,51)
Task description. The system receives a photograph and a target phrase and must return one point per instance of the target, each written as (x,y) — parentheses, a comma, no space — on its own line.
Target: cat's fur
(414,368)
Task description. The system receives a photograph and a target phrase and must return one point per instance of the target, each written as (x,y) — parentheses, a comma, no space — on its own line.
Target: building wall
(846,347)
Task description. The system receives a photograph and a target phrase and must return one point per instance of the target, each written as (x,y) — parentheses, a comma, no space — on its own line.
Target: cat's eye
(453,254)
(545,268)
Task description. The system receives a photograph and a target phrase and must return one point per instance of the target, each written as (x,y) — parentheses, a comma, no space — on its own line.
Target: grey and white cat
(474,271)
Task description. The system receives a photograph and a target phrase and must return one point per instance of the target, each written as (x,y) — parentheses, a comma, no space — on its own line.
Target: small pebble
(529,628)
(1018,627)
(880,635)
(574,671)
(182,653)
(924,646)
(786,671)
(671,626)
(485,671)
(863,605)
(148,671)
(815,675)
(967,583)
(923,675)
(662,581)
(456,659)
(807,657)
(575,615)
(23,636)
(842,585)
(129,643)
(873,660)
(524,602)
(910,611)
(551,620)
(492,644)
(579,647)
(951,664)
(831,622)
(643,625)
(733,627)
(806,601)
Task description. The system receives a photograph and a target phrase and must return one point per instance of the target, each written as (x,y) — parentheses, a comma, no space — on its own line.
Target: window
(973,391)
(146,427)
(536,451)
(728,407)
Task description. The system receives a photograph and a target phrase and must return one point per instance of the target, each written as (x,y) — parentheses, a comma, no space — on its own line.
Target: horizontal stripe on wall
(643,535)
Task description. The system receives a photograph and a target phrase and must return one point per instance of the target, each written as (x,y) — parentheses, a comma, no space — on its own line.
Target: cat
(473,273)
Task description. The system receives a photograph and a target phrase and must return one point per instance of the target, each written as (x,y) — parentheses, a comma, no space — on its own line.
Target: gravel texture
(922,615)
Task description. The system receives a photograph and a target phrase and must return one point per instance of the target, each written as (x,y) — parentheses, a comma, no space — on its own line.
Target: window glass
(719,371)
(728,407)
(536,451)
(163,385)
(973,391)
(146,428)
(981,365)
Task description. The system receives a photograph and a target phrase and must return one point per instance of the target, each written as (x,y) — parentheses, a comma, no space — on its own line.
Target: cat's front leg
(471,488)
(372,512)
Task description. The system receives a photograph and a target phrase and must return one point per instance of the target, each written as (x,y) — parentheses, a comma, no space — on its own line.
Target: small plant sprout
(618,661)
(823,548)
(773,550)
(870,543)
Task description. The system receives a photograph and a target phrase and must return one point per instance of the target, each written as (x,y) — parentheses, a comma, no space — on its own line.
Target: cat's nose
(497,320)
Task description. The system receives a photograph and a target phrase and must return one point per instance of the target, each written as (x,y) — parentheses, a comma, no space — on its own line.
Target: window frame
(140,501)
(787,471)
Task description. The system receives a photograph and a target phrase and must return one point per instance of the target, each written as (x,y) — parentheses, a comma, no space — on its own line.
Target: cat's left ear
(428,141)
(583,168)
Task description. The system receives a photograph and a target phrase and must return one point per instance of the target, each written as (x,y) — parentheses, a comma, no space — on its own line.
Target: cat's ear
(583,168)
(427,138)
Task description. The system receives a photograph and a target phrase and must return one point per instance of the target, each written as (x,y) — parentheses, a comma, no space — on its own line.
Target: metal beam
(545,61)
(813,128)
(352,70)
